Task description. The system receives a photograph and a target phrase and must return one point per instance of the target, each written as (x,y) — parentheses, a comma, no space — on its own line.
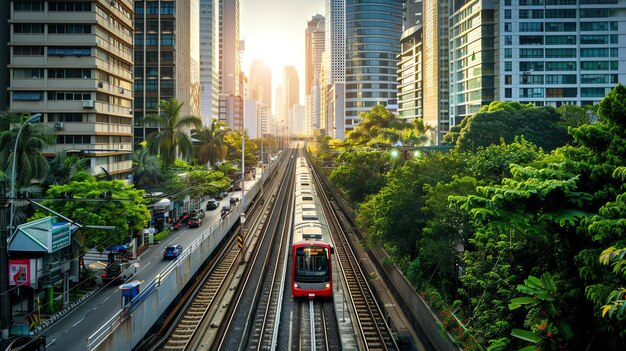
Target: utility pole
(5,297)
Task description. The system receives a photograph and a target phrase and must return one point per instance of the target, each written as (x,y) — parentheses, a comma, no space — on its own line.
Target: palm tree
(63,167)
(146,167)
(212,143)
(34,138)
(171,137)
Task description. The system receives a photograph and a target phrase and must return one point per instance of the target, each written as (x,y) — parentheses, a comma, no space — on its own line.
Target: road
(71,332)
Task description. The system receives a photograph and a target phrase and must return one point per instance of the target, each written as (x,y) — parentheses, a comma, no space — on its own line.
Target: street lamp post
(31,119)
(5,300)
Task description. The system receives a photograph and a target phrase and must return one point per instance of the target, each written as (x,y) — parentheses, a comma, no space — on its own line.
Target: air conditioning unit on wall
(58,125)
(88,103)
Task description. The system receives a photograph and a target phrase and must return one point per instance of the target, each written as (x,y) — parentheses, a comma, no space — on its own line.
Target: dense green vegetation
(503,234)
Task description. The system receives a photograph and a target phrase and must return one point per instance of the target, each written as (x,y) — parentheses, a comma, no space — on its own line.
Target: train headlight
(327,285)
(295,285)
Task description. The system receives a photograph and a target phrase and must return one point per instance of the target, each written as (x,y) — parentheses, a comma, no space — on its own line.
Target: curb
(61,313)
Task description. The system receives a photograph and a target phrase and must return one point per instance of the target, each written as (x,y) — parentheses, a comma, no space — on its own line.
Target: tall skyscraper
(231,99)
(567,54)
(472,62)
(435,69)
(78,74)
(168,59)
(410,87)
(209,60)
(291,89)
(334,62)
(260,82)
(373,31)
(315,38)
(545,53)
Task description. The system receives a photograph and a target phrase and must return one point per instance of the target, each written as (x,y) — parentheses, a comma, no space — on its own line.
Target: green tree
(127,216)
(64,167)
(146,167)
(30,164)
(360,173)
(232,139)
(172,138)
(206,182)
(542,126)
(210,148)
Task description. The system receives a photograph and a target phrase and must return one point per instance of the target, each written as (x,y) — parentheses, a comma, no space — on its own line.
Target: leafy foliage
(172,138)
(127,216)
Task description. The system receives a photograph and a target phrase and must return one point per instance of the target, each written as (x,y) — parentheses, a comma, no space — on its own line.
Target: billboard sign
(19,272)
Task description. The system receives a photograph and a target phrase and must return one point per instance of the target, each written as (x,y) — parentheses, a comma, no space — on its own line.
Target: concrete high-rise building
(260,82)
(373,31)
(435,20)
(554,55)
(315,38)
(412,13)
(291,89)
(334,62)
(410,87)
(209,60)
(335,44)
(78,74)
(296,114)
(167,48)
(5,9)
(280,114)
(231,98)
(472,58)
(548,55)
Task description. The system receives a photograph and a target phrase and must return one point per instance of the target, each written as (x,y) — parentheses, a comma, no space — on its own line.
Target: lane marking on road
(75,324)
(51,342)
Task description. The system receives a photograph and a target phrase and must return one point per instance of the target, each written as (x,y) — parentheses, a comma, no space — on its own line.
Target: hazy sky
(274,30)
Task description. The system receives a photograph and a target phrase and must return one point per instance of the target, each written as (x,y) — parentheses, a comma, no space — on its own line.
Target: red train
(311,269)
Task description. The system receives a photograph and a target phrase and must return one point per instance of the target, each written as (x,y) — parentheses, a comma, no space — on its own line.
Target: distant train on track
(311,272)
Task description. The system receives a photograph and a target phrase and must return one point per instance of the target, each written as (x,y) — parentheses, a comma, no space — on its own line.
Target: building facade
(472,58)
(373,31)
(230,64)
(410,82)
(315,38)
(570,53)
(78,74)
(167,59)
(209,60)
(291,93)
(260,82)
(435,34)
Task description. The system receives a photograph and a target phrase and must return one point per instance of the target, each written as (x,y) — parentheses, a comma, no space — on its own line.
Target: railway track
(190,324)
(374,332)
(265,327)
(311,328)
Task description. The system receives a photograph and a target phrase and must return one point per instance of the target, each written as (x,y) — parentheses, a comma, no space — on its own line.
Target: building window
(28,28)
(69,51)
(508,93)
(530,27)
(531,53)
(73,73)
(61,95)
(27,96)
(561,66)
(508,40)
(28,51)
(65,117)
(531,40)
(69,28)
(508,53)
(561,92)
(592,92)
(594,39)
(28,73)
(73,139)
(560,40)
(28,6)
(560,53)
(507,14)
(508,66)
(69,6)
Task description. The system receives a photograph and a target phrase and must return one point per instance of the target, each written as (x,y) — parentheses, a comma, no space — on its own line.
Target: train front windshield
(312,265)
